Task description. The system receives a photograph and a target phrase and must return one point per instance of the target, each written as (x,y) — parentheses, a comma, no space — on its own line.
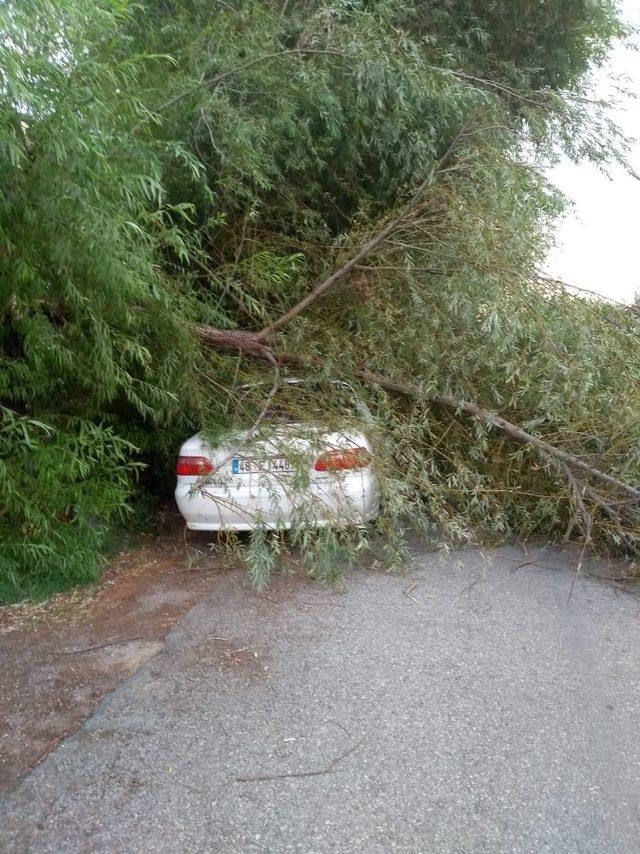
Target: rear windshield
(311,402)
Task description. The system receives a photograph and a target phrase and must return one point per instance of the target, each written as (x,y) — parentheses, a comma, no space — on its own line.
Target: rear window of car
(293,403)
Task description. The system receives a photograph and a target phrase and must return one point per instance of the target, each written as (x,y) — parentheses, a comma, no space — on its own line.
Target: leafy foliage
(171,163)
(91,338)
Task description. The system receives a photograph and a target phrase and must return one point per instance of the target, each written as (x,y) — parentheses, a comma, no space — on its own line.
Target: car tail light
(343,459)
(197,466)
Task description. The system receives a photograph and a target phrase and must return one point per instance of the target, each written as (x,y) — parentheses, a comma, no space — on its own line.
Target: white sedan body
(297,475)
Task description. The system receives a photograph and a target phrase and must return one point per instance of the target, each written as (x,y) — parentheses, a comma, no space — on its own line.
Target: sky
(598,243)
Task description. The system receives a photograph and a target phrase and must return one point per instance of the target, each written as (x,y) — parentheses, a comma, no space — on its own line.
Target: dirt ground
(59,659)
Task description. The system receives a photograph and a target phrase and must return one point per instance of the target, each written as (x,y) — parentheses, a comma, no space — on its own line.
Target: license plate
(275,465)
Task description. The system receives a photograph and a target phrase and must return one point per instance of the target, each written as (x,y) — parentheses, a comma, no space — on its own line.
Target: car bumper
(351,500)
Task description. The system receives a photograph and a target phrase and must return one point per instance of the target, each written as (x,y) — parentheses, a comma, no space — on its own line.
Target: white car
(286,472)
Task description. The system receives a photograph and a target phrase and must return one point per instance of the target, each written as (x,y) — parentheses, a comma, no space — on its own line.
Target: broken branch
(520,435)
(367,248)
(249,344)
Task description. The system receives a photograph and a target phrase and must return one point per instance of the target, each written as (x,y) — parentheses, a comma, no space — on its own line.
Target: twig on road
(523,564)
(120,642)
(260,778)
(407,593)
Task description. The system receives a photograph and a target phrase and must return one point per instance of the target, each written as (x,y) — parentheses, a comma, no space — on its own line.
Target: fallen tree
(624,515)
(255,345)
(194,199)
(252,345)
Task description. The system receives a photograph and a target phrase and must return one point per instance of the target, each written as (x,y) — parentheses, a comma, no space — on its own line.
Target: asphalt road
(470,707)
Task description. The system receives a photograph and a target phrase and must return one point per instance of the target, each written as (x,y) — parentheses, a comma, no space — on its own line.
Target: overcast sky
(598,244)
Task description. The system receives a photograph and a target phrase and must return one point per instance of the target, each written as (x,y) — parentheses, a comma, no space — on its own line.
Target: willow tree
(346,189)
(93,343)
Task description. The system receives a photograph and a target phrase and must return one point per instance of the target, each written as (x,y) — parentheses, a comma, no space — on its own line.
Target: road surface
(472,706)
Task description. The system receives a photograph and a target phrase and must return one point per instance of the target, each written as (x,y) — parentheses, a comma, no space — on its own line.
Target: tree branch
(578,490)
(553,281)
(377,240)
(483,81)
(212,276)
(520,435)
(249,344)
(234,339)
(614,515)
(212,82)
